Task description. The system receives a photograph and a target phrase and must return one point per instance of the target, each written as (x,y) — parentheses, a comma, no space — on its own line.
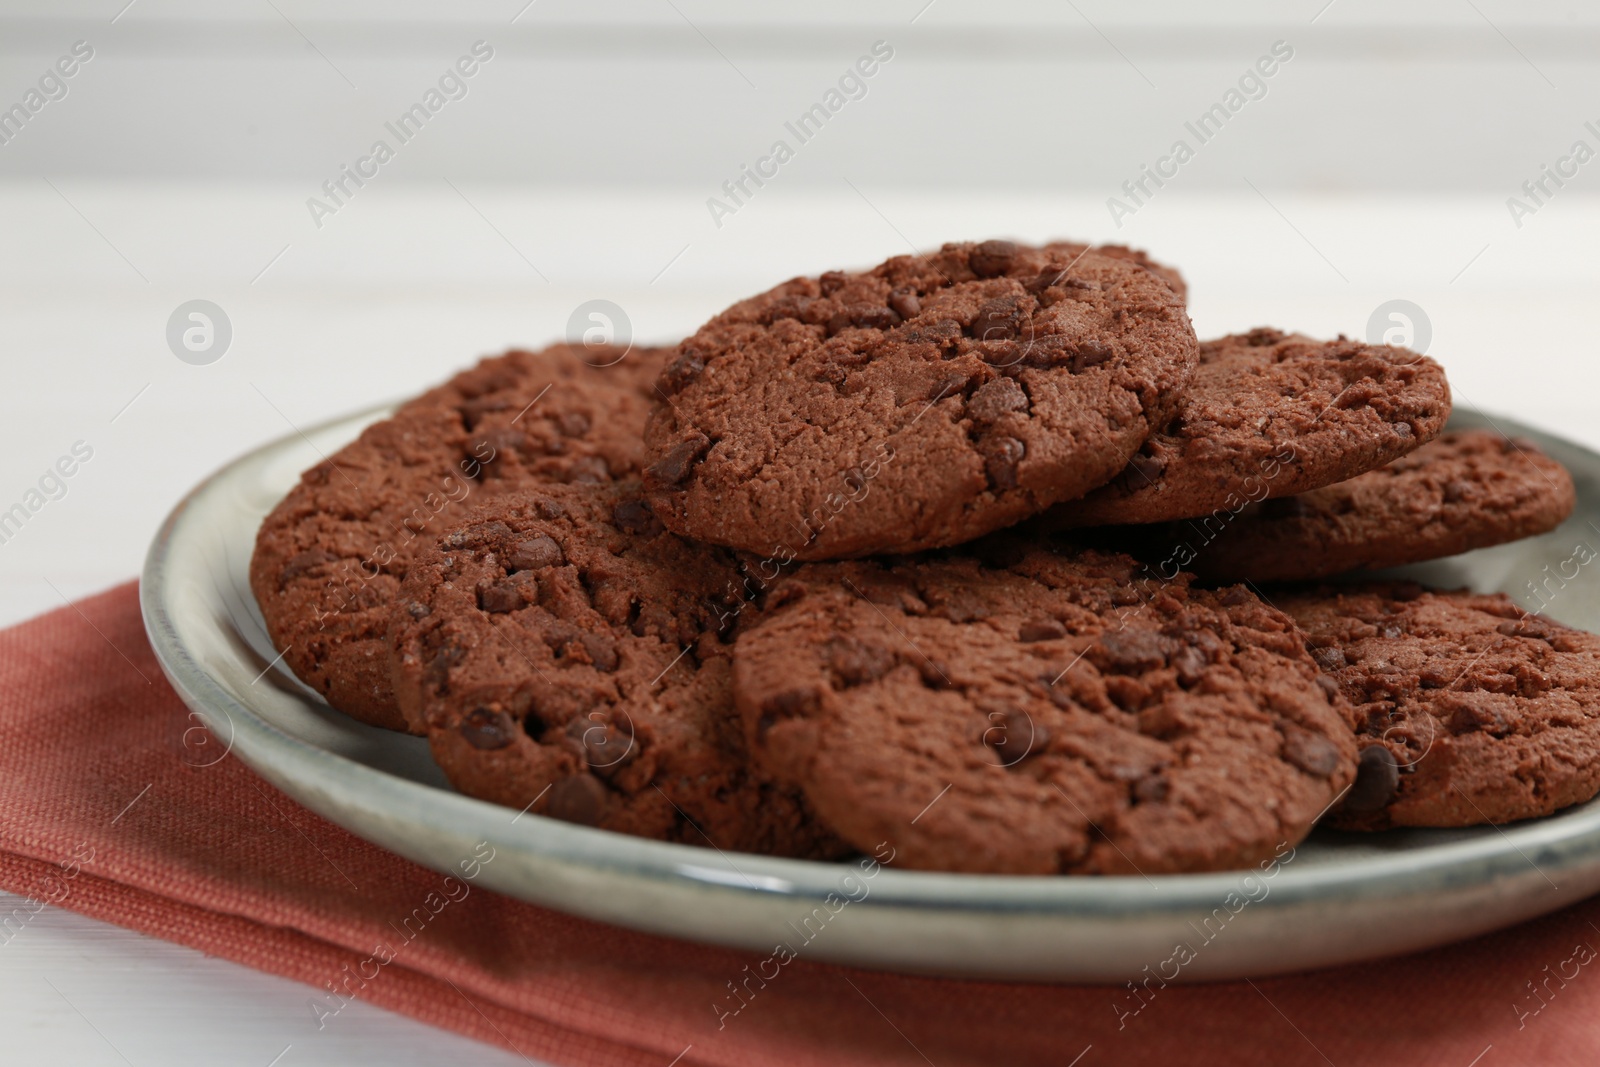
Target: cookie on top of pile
(979,554)
(951,394)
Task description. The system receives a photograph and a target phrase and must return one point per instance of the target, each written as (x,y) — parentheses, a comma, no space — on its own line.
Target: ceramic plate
(1337,898)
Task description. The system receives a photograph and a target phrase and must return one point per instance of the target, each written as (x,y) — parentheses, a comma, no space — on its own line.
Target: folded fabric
(101,812)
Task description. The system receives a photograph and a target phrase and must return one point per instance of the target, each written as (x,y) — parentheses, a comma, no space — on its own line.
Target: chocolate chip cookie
(924,402)
(568,656)
(1041,713)
(330,558)
(1270,414)
(1467,709)
(1468,489)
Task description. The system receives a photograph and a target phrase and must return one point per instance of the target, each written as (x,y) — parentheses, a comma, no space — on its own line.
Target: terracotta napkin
(101,812)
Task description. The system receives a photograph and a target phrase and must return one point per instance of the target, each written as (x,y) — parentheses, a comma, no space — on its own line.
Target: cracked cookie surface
(568,656)
(1467,489)
(1047,712)
(1270,414)
(330,557)
(922,403)
(1467,710)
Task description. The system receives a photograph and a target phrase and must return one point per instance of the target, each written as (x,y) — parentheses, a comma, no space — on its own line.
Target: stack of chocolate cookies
(965,557)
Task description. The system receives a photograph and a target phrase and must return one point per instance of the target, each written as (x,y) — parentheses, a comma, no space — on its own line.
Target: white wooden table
(422,279)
